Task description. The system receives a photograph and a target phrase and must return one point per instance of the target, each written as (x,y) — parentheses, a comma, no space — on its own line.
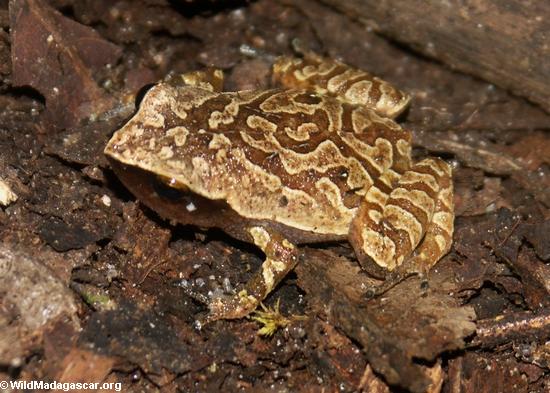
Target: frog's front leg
(281,257)
(410,229)
(210,79)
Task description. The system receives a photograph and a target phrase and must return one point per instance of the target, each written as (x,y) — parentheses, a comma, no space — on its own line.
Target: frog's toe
(393,279)
(230,307)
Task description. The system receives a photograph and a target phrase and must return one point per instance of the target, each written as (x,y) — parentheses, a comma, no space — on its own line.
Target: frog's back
(289,156)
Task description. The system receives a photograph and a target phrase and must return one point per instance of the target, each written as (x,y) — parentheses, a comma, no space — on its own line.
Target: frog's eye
(343,174)
(308,99)
(169,189)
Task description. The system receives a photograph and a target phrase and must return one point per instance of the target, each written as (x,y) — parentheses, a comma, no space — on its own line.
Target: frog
(317,158)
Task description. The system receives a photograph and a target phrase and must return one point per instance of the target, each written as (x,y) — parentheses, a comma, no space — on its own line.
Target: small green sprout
(271,319)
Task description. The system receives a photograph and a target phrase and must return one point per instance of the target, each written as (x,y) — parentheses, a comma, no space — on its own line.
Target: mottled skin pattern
(319,159)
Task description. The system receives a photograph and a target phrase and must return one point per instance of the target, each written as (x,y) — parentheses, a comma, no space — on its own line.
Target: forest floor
(89,276)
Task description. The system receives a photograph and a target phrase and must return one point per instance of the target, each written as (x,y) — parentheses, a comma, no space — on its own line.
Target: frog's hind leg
(439,234)
(348,84)
(281,257)
(410,229)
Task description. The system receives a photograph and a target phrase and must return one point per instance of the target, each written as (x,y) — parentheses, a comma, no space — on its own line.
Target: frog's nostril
(283,201)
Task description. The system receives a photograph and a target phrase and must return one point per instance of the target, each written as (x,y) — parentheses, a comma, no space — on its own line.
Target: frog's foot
(229,307)
(390,281)
(210,79)
(410,229)
(281,257)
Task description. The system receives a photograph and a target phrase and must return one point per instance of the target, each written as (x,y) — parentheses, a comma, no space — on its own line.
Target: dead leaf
(60,58)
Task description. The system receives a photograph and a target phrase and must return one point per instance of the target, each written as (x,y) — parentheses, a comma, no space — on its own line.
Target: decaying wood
(396,330)
(502,41)
(515,327)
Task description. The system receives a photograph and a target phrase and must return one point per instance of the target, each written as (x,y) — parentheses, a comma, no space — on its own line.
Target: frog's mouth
(171,200)
(176,203)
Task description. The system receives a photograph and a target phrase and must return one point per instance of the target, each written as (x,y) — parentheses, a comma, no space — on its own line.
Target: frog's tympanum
(319,159)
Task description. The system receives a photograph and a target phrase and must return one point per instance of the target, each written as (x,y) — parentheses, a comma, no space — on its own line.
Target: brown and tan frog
(319,159)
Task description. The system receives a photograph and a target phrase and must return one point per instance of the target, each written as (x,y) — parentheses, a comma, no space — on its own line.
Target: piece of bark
(84,366)
(395,330)
(487,158)
(141,337)
(32,300)
(517,327)
(502,41)
(480,373)
(507,246)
